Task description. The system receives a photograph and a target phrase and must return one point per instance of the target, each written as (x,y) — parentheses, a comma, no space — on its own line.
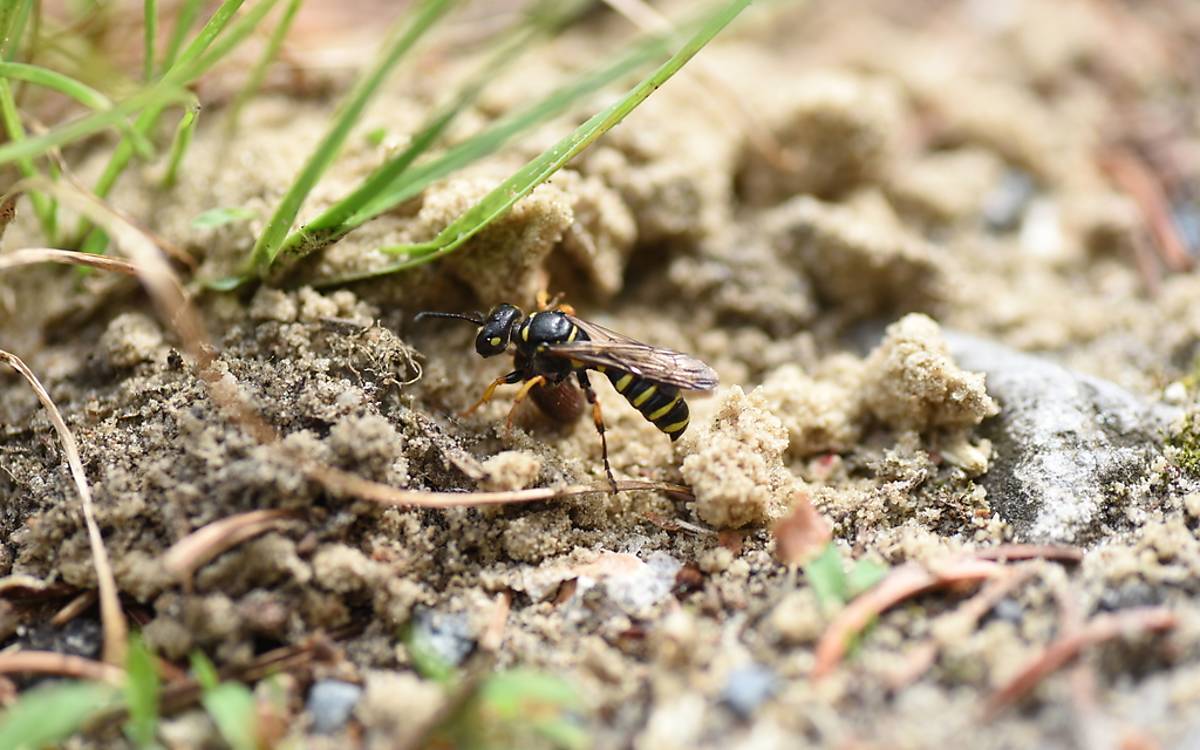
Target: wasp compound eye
(496,330)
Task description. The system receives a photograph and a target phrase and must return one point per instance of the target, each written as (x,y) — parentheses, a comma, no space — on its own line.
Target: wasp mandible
(551,345)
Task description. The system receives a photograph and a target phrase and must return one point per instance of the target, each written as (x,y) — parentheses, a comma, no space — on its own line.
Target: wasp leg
(521,394)
(598,420)
(546,302)
(509,379)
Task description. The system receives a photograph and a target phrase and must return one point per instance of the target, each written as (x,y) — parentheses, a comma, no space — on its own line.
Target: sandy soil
(945,170)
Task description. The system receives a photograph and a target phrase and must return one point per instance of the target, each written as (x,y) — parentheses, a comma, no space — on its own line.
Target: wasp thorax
(548,327)
(496,330)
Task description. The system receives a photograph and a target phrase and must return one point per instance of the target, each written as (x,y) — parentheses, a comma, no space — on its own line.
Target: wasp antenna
(476,319)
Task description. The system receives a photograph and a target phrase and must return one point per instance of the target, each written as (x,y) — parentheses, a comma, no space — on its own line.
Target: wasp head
(497,330)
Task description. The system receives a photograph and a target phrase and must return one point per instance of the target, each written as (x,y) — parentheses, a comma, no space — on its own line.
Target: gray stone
(448,634)
(748,687)
(1004,205)
(330,703)
(1068,448)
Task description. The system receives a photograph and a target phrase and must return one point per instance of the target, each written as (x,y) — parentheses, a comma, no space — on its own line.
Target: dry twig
(149,259)
(207,542)
(1098,630)
(493,634)
(64,665)
(115,630)
(340,482)
(921,659)
(1010,552)
(74,608)
(8,211)
(902,583)
(1136,179)
(28,256)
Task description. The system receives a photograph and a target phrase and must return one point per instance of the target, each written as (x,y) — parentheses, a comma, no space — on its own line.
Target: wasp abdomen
(662,404)
(562,402)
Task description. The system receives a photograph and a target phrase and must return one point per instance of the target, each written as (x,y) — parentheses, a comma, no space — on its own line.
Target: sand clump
(859,261)
(908,385)
(131,339)
(839,131)
(821,414)
(908,382)
(734,463)
(911,382)
(511,470)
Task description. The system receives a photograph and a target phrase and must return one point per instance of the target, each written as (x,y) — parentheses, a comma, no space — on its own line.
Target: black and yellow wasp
(552,344)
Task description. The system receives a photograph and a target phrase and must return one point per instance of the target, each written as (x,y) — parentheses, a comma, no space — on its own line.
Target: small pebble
(1187,221)
(1175,393)
(1041,234)
(1131,594)
(449,635)
(1009,610)
(747,688)
(1005,203)
(330,703)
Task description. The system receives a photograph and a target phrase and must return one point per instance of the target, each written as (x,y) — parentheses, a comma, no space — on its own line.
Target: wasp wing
(607,348)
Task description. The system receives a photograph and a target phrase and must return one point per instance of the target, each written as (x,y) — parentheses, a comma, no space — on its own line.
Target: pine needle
(116,631)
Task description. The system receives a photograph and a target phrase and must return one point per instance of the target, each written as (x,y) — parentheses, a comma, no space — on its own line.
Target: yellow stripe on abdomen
(662,412)
(644,396)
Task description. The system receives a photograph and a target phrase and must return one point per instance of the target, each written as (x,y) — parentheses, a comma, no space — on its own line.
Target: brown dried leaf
(803,534)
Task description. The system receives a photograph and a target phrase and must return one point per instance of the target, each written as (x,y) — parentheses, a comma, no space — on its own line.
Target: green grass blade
(500,200)
(180,143)
(204,671)
(827,578)
(43,207)
(169,90)
(230,704)
(492,138)
(544,20)
(89,124)
(425,658)
(191,68)
(188,11)
(35,74)
(148,118)
(254,82)
(77,90)
(863,575)
(218,217)
(516,708)
(191,64)
(150,32)
(47,715)
(271,240)
(10,28)
(208,32)
(142,689)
